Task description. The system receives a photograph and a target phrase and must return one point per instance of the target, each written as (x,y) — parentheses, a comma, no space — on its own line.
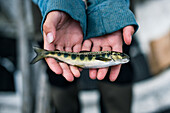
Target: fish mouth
(125,60)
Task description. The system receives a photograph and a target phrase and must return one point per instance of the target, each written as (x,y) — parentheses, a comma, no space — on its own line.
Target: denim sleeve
(107,16)
(75,8)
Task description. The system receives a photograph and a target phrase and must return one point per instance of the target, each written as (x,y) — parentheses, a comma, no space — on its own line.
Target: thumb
(128,31)
(49,27)
(50,32)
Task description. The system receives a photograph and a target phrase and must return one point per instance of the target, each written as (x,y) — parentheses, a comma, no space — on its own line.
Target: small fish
(83,59)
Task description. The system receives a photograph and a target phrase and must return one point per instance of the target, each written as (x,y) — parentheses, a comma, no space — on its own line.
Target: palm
(110,42)
(68,36)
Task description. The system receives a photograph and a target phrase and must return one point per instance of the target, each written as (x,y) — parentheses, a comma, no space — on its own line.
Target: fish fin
(40,54)
(81,66)
(84,51)
(58,60)
(57,50)
(113,59)
(102,59)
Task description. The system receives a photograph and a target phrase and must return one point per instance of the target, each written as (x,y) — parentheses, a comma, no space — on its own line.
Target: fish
(83,59)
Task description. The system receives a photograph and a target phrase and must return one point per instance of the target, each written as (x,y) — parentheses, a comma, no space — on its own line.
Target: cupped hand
(109,42)
(61,32)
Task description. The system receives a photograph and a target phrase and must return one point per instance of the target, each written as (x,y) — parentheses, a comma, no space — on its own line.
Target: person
(68,26)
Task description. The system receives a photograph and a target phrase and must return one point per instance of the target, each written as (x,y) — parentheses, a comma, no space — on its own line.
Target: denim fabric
(75,8)
(103,16)
(107,16)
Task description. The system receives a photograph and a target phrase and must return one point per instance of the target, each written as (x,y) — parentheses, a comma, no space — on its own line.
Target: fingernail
(50,37)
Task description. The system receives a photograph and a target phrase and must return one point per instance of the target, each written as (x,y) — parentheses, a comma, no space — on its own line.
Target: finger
(103,71)
(54,66)
(68,75)
(68,49)
(48,46)
(116,69)
(117,43)
(48,27)
(117,48)
(60,48)
(128,31)
(96,48)
(50,31)
(50,38)
(75,71)
(77,48)
(66,72)
(106,48)
(86,45)
(114,72)
(93,72)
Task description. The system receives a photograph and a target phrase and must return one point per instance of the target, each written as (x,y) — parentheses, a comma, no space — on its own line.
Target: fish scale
(84,59)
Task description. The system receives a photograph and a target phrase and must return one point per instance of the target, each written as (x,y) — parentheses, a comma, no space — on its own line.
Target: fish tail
(40,54)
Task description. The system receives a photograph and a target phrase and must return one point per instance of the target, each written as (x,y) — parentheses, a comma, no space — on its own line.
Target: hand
(109,42)
(63,33)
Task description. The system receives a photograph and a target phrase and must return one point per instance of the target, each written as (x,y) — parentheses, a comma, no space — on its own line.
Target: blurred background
(25,88)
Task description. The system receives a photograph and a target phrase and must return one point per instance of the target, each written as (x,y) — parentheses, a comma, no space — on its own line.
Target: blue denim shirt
(101,17)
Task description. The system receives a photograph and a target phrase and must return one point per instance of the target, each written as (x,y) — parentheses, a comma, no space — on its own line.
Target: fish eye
(122,54)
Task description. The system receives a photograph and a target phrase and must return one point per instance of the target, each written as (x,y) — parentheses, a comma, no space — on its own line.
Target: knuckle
(87,43)
(81,35)
(48,27)
(45,27)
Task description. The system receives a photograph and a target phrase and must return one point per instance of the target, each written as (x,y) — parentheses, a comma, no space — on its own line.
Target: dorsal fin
(57,50)
(58,60)
(80,66)
(102,59)
(84,51)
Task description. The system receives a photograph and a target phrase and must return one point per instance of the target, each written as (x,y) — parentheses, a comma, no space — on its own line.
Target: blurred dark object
(7,63)
(139,62)
(84,79)
(8,48)
(37,23)
(165,111)
(7,80)
(160,54)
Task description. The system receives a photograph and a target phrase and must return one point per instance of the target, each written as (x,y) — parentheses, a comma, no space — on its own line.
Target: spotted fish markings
(84,59)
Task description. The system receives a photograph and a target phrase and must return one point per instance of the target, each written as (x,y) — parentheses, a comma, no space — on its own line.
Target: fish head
(120,58)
